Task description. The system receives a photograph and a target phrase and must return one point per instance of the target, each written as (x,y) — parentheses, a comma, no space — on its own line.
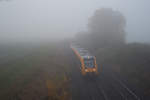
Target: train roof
(83,52)
(87,57)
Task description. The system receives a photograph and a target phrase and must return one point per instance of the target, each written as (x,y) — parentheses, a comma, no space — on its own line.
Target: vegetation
(34,75)
(105,28)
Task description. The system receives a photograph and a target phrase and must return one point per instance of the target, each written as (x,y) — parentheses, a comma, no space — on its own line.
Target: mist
(49,20)
(74,50)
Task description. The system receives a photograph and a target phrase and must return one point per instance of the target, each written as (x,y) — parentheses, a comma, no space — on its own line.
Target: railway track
(103,87)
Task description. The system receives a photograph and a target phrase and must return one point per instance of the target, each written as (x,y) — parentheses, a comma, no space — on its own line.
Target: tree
(107,28)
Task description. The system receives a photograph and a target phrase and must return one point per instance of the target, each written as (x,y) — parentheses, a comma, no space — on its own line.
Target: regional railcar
(87,60)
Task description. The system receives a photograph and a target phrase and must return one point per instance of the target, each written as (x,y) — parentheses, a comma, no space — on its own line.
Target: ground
(51,71)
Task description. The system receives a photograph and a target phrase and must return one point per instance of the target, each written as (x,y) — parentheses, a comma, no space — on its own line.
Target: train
(87,60)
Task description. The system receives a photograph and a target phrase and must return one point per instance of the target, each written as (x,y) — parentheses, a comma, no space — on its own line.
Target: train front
(90,64)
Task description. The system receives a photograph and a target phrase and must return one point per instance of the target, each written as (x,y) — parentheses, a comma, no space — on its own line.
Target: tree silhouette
(107,28)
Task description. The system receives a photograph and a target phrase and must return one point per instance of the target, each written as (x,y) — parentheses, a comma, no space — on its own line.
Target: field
(36,72)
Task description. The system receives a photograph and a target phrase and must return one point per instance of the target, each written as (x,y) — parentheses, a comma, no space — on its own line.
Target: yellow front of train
(89,65)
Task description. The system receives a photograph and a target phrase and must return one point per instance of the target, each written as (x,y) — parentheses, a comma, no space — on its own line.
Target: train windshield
(89,63)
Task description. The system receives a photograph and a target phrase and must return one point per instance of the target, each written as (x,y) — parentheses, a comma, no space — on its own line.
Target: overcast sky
(50,19)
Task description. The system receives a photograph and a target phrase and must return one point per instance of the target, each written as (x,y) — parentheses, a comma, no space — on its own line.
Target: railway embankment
(131,63)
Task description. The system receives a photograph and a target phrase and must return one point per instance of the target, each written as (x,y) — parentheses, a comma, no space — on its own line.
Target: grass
(26,77)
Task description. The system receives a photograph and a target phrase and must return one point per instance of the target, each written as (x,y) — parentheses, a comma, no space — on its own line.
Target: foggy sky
(57,19)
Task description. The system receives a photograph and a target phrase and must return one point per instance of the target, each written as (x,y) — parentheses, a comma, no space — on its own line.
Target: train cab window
(89,63)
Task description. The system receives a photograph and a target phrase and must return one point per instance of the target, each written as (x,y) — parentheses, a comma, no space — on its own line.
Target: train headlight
(86,70)
(94,69)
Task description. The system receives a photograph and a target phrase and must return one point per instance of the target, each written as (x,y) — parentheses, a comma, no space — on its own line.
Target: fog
(38,20)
